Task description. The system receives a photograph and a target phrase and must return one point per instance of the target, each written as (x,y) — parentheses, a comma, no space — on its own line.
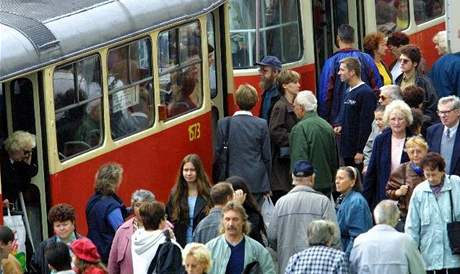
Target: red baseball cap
(85,250)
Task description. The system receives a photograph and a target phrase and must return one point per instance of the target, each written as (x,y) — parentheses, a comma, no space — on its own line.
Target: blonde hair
(200,252)
(246,97)
(287,76)
(18,140)
(401,106)
(107,178)
(416,141)
(237,207)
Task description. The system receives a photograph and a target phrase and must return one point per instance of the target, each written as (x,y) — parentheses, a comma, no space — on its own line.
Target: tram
(302,32)
(138,82)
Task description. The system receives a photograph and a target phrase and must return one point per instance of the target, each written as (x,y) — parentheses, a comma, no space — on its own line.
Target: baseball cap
(303,168)
(271,61)
(85,250)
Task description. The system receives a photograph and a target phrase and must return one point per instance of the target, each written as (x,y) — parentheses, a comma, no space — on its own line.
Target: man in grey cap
(287,233)
(269,68)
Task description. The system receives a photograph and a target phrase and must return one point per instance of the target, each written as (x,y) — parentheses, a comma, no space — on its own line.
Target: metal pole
(26,220)
(257,30)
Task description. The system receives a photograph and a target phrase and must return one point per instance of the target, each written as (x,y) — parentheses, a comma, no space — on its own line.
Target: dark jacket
(168,259)
(434,136)
(271,94)
(16,177)
(100,231)
(445,75)
(378,171)
(282,120)
(258,231)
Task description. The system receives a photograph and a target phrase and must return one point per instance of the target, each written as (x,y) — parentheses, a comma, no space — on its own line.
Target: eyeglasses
(444,112)
(27,152)
(404,60)
(382,97)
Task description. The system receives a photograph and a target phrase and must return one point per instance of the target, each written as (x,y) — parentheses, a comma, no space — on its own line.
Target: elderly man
(320,257)
(313,139)
(388,94)
(269,68)
(444,137)
(234,252)
(383,249)
(294,211)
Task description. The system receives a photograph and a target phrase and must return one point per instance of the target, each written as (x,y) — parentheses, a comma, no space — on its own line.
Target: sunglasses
(404,60)
(383,98)
(27,152)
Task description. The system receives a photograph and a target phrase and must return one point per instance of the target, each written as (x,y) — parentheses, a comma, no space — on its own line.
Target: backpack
(168,259)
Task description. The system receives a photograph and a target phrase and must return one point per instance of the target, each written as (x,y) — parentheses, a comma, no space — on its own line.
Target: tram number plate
(194,132)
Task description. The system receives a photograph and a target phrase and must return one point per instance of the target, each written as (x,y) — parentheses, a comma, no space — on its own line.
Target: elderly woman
(248,144)
(282,120)
(407,176)
(105,211)
(120,258)
(387,151)
(431,207)
(375,46)
(196,259)
(17,167)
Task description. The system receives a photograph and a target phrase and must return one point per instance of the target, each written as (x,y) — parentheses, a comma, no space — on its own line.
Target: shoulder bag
(220,167)
(453,230)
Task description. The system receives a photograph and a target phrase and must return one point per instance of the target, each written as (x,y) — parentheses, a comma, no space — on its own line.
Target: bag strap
(226,146)
(451,204)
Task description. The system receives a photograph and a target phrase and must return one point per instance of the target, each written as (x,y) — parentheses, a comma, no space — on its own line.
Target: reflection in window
(425,10)
(180,69)
(130,88)
(392,16)
(280,32)
(77,104)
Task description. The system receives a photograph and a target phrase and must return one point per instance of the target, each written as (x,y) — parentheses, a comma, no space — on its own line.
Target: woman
(249,149)
(196,259)
(429,212)
(353,213)
(387,151)
(375,46)
(407,176)
(86,258)
(394,42)
(258,231)
(120,259)
(105,211)
(282,119)
(62,218)
(190,200)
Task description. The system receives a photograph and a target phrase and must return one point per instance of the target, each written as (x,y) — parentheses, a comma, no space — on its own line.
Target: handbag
(220,168)
(16,224)
(453,230)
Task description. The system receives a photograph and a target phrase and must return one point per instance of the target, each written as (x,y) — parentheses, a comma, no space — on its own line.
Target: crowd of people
(362,178)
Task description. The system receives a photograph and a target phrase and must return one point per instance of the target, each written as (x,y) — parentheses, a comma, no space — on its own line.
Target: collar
(242,112)
(447,185)
(453,129)
(358,85)
(410,76)
(299,188)
(383,227)
(309,115)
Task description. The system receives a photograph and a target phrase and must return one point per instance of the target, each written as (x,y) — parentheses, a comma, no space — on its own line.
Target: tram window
(392,16)
(180,69)
(280,31)
(212,55)
(425,10)
(130,88)
(77,106)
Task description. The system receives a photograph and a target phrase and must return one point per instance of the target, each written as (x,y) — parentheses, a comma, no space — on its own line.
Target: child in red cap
(86,258)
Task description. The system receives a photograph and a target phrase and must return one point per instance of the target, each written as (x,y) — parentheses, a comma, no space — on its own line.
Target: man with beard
(269,68)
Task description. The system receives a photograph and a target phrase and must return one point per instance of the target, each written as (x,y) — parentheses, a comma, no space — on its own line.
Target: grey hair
(322,232)
(307,100)
(393,90)
(387,212)
(18,140)
(401,106)
(142,195)
(451,98)
(440,38)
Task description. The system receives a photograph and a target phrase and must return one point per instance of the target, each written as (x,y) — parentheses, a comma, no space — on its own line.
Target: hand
(337,130)
(359,158)
(6,203)
(27,159)
(239,196)
(402,191)
(364,170)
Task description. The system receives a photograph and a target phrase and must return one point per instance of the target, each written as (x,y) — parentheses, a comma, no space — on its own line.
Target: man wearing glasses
(444,137)
(17,167)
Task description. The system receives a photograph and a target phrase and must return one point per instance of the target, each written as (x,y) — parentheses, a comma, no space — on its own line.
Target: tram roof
(35,33)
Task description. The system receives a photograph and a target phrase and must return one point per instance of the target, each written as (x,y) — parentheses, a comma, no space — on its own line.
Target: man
(354,123)
(269,67)
(444,137)
(9,264)
(388,94)
(320,257)
(294,211)
(383,249)
(313,139)
(410,60)
(331,90)
(234,252)
(58,257)
(445,75)
(395,41)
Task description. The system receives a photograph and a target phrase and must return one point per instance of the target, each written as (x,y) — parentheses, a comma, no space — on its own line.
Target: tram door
(328,15)
(20,109)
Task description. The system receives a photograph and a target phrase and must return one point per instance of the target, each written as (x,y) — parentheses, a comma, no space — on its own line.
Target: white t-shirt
(397,147)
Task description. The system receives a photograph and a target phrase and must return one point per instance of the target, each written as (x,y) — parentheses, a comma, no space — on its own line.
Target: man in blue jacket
(269,68)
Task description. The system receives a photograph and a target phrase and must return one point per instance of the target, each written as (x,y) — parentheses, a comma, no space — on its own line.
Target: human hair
(152,213)
(413,96)
(433,161)
(179,196)
(61,213)
(416,141)
(354,175)
(346,33)
(322,232)
(220,193)
(440,39)
(238,208)
(353,64)
(287,76)
(18,140)
(387,212)
(417,121)
(200,252)
(402,107)
(83,265)
(246,97)
(57,255)
(394,91)
(250,202)
(398,39)
(380,108)
(6,234)
(108,177)
(372,42)
(450,99)
(142,195)
(307,100)
(412,52)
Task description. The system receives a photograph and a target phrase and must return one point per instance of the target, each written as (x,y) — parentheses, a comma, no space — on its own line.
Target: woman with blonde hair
(196,259)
